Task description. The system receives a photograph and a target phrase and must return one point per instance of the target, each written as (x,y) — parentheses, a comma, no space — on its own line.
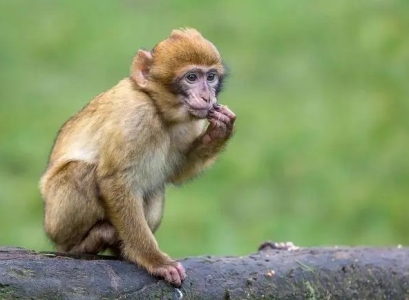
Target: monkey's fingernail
(216,105)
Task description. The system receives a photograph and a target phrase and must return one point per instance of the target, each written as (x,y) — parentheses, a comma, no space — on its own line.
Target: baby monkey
(104,185)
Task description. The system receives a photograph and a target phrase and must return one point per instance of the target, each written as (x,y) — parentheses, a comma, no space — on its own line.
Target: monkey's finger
(225,129)
(226,111)
(216,125)
(228,117)
(219,133)
(175,277)
(163,272)
(220,117)
(212,123)
(225,121)
(181,270)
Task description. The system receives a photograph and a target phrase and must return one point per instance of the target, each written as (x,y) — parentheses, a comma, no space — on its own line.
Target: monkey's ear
(141,66)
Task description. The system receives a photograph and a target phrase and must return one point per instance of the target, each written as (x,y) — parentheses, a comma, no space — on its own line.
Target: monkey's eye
(191,77)
(211,77)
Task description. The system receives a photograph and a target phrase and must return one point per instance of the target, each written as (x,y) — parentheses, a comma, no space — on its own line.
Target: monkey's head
(183,74)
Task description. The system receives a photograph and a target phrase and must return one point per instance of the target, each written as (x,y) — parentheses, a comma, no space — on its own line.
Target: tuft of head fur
(184,47)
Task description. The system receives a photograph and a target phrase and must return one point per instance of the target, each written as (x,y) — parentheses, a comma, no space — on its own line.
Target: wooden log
(307,273)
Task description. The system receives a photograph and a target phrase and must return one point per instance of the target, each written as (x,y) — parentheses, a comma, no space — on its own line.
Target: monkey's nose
(206,96)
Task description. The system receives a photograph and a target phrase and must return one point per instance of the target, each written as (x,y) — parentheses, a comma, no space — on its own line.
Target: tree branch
(309,273)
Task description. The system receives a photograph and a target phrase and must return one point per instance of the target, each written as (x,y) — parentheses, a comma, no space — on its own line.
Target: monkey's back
(86,134)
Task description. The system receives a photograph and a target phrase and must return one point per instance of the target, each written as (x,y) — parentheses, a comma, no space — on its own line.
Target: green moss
(6,292)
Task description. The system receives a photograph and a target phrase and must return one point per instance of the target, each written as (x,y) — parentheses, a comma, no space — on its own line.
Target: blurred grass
(320,88)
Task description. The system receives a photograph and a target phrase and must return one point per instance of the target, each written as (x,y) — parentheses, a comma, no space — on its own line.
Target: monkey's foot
(174,273)
(289,246)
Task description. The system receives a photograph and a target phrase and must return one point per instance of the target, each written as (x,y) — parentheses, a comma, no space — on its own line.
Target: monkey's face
(197,90)
(182,73)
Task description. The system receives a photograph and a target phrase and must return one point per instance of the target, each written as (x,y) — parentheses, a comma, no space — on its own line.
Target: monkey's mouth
(200,113)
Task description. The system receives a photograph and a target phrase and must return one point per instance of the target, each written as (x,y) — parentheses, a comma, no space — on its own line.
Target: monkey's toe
(174,274)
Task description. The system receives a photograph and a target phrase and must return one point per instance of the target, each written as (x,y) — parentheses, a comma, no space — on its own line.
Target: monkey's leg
(72,207)
(125,210)
(101,236)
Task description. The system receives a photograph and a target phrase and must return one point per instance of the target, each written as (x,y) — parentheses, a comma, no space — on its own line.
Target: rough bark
(309,273)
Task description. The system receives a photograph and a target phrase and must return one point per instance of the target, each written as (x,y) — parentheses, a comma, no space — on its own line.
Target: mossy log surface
(307,273)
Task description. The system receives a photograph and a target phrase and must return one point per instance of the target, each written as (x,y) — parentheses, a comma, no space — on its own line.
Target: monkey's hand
(221,125)
(172,271)
(205,149)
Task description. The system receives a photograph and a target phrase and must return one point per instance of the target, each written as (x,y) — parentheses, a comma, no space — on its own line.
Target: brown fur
(105,181)
(183,48)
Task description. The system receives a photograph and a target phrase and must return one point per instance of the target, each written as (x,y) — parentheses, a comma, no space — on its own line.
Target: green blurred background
(320,88)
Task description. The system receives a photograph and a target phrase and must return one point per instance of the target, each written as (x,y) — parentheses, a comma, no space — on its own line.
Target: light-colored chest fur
(181,137)
(162,162)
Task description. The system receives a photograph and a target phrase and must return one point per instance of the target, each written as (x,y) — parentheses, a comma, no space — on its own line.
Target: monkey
(104,185)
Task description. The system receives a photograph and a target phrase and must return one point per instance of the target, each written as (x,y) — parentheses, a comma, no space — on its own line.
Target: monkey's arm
(205,148)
